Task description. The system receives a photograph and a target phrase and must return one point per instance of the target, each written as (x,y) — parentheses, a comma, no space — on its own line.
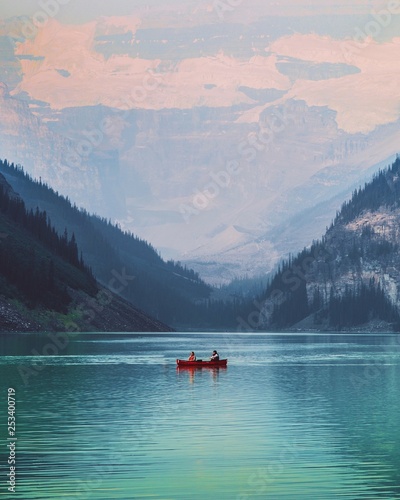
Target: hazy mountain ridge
(130,266)
(350,278)
(140,182)
(135,119)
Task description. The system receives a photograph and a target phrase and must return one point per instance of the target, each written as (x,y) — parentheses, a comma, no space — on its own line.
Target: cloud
(366,96)
(362,100)
(122,81)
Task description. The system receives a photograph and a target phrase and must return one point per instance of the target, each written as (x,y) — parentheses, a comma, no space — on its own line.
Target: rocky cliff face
(351,276)
(141,121)
(362,251)
(26,139)
(168,175)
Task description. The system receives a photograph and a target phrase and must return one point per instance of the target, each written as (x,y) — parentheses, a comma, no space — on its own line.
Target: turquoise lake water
(108,416)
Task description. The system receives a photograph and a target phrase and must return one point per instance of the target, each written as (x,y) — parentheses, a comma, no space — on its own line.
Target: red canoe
(182,363)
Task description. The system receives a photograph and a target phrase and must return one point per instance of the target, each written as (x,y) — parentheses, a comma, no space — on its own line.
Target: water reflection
(293,417)
(190,371)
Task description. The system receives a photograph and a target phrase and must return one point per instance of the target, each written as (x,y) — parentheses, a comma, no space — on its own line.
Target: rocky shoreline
(12,320)
(117,316)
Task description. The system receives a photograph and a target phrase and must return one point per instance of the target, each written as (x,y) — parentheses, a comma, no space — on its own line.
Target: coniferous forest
(34,270)
(128,265)
(349,277)
(344,281)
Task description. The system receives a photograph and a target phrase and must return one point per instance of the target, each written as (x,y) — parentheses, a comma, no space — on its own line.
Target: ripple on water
(284,420)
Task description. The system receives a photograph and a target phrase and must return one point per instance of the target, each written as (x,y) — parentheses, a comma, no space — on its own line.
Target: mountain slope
(154,172)
(124,263)
(351,278)
(136,121)
(44,285)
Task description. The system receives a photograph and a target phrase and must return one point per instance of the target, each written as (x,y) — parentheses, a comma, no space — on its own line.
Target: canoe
(183,363)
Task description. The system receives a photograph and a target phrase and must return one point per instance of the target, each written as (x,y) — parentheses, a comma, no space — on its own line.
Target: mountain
(164,176)
(124,263)
(205,139)
(46,285)
(350,279)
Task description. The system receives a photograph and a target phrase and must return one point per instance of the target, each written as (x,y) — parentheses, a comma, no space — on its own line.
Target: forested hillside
(41,271)
(127,265)
(347,281)
(351,278)
(45,283)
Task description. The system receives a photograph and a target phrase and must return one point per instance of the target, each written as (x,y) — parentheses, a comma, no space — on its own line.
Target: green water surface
(291,417)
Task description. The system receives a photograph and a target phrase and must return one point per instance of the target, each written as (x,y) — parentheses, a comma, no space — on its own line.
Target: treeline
(31,277)
(383,190)
(103,232)
(356,306)
(361,305)
(312,286)
(292,308)
(39,225)
(166,290)
(36,263)
(286,298)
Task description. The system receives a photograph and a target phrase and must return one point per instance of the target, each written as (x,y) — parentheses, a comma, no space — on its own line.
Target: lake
(109,416)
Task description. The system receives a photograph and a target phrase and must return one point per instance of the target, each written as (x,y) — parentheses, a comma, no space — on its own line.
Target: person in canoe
(215,356)
(192,356)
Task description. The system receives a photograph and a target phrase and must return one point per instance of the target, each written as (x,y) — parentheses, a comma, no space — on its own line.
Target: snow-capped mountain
(226,147)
